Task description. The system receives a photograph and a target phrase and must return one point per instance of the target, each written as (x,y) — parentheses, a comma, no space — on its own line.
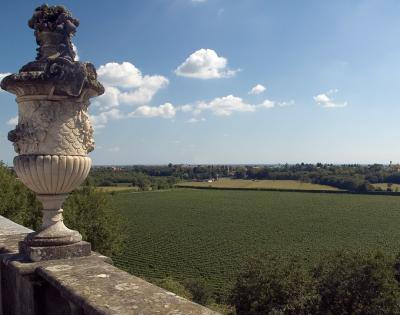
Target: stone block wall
(77,286)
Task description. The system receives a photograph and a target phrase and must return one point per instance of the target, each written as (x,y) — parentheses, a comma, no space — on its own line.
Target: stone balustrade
(77,286)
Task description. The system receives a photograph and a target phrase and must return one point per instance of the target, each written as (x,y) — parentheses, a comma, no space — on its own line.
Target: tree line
(352,177)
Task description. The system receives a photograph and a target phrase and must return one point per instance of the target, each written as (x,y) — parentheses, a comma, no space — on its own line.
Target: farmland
(258,184)
(116,188)
(189,233)
(385,186)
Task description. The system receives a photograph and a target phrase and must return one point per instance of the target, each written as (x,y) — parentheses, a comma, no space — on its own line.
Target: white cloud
(284,104)
(267,104)
(258,89)
(225,106)
(194,120)
(101,119)
(166,110)
(186,108)
(125,84)
(124,75)
(2,76)
(145,92)
(13,121)
(325,100)
(76,52)
(198,1)
(205,64)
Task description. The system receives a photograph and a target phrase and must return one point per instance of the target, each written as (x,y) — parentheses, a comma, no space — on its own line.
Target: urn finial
(55,71)
(54,26)
(53,136)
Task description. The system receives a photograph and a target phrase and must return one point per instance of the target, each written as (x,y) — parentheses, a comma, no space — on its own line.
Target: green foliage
(347,282)
(144,177)
(17,202)
(274,286)
(199,289)
(174,286)
(354,177)
(358,283)
(89,212)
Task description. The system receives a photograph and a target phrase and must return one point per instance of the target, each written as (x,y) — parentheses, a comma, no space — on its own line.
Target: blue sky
(230,81)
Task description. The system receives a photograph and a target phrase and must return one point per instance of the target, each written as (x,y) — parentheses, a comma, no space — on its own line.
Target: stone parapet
(85,285)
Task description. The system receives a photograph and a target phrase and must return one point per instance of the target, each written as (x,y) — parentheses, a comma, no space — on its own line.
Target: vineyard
(259,184)
(188,233)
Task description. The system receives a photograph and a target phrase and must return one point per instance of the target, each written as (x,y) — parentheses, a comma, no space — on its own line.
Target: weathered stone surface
(8,227)
(41,253)
(9,243)
(105,289)
(56,127)
(86,285)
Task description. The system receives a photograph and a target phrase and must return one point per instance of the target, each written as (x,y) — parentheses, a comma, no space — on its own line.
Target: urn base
(42,253)
(53,236)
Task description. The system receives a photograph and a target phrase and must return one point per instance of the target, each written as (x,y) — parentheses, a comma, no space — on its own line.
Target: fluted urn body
(53,136)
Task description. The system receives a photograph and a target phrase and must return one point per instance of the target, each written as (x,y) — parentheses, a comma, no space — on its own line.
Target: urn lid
(55,71)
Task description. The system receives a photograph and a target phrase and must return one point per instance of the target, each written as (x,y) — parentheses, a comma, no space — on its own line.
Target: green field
(259,184)
(187,233)
(116,188)
(385,186)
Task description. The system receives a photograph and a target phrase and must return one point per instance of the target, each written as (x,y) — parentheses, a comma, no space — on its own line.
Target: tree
(88,211)
(357,283)
(348,283)
(274,286)
(200,291)
(174,286)
(17,202)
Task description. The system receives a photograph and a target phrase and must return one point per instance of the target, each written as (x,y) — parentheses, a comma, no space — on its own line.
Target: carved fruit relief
(53,127)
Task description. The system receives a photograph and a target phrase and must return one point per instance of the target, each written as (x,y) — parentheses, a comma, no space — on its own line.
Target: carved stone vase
(54,134)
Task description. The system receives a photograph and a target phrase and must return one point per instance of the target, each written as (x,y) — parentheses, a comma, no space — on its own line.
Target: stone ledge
(100,288)
(86,285)
(8,227)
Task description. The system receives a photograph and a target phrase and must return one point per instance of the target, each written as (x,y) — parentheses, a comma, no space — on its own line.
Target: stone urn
(54,134)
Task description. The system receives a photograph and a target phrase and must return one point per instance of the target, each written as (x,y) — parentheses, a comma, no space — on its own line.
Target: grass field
(187,233)
(117,188)
(385,186)
(259,184)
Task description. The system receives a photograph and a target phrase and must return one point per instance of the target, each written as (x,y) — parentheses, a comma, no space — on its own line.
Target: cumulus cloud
(2,76)
(186,108)
(125,84)
(258,89)
(13,121)
(205,64)
(166,110)
(124,74)
(225,106)
(325,100)
(267,104)
(100,120)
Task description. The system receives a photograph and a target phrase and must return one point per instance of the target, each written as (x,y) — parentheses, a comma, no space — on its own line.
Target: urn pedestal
(54,134)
